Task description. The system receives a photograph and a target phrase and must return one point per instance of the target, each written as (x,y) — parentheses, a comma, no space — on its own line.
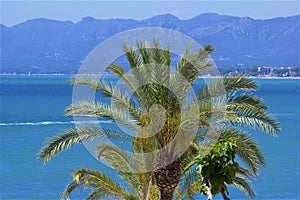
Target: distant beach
(111,75)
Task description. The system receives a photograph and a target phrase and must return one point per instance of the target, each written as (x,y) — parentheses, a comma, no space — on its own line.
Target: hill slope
(51,46)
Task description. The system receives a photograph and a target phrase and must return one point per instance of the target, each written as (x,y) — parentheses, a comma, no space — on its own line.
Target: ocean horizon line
(105,74)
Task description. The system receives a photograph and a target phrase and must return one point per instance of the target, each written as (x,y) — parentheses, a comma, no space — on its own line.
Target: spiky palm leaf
(101,110)
(103,185)
(219,87)
(243,184)
(74,136)
(106,89)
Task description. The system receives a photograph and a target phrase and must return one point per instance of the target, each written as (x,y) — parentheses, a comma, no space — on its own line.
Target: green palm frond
(161,55)
(191,65)
(153,73)
(241,109)
(154,53)
(253,118)
(98,194)
(145,52)
(121,74)
(225,85)
(244,184)
(234,99)
(133,57)
(103,185)
(249,174)
(120,98)
(135,180)
(71,137)
(134,61)
(90,108)
(248,110)
(102,86)
(157,79)
(247,148)
(179,87)
(143,184)
(130,81)
(241,82)
(70,188)
(124,161)
(117,158)
(100,109)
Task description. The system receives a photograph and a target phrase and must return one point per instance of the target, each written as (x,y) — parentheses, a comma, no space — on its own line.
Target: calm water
(32,109)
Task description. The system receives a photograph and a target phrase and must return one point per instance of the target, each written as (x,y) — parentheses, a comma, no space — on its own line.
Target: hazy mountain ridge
(60,46)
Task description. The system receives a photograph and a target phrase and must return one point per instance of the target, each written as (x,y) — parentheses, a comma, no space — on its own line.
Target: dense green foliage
(218,167)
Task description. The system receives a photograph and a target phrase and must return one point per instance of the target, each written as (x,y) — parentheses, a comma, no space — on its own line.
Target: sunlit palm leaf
(245,186)
(248,117)
(191,65)
(101,110)
(116,157)
(71,137)
(104,186)
(108,90)
(102,86)
(221,86)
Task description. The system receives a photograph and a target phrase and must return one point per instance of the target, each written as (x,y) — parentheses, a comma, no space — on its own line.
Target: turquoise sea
(32,110)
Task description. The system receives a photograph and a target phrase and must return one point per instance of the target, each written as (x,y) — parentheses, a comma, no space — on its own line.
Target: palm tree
(161,171)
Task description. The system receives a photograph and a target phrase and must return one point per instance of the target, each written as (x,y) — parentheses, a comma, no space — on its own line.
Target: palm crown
(171,127)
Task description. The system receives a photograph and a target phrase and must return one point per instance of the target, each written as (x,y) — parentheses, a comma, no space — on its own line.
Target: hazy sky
(13,12)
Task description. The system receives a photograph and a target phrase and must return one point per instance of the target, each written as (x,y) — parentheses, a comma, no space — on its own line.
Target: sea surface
(32,110)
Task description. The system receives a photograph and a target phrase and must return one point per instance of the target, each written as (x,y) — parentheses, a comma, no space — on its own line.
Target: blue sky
(13,12)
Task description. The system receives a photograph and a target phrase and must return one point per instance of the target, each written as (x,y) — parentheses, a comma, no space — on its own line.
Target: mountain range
(52,46)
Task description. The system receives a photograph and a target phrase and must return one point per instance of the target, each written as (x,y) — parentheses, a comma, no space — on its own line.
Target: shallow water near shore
(32,110)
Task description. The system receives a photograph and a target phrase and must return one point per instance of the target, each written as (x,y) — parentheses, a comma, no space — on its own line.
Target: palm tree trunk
(208,190)
(222,190)
(167,179)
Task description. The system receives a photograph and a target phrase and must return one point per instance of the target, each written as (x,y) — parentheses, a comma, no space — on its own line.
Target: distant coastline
(110,75)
